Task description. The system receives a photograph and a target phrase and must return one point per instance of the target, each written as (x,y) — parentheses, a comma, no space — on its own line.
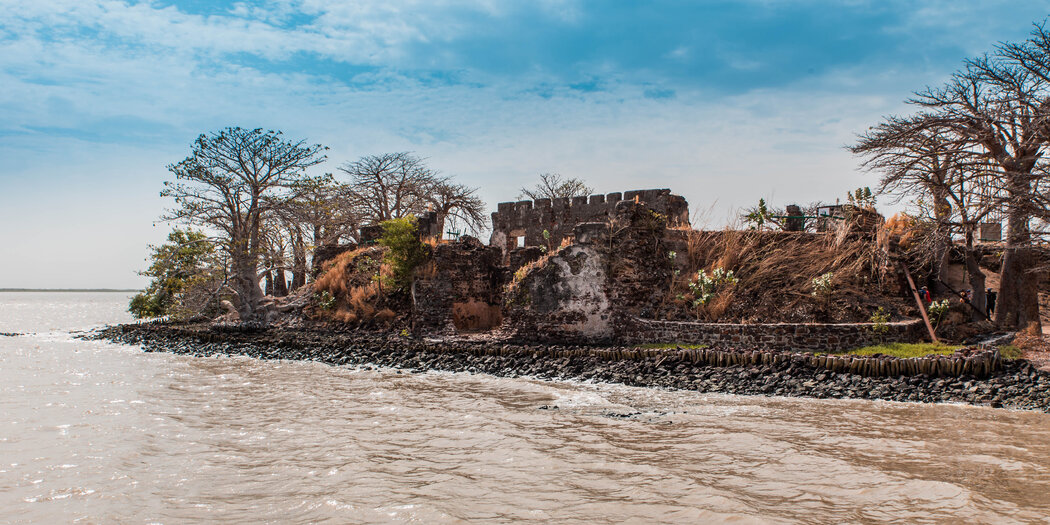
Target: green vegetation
(182,278)
(937,311)
(407,251)
(670,346)
(880,326)
(758,216)
(705,287)
(822,286)
(1010,352)
(903,350)
(862,197)
(325,300)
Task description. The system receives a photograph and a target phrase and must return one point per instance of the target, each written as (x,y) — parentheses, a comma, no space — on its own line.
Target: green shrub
(937,311)
(822,284)
(880,326)
(325,300)
(406,250)
(184,276)
(706,286)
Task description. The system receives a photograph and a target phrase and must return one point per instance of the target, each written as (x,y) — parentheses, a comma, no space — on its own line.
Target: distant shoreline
(64,290)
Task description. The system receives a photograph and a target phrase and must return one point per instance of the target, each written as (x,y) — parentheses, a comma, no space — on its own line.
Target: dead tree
(231,182)
(459,204)
(317,213)
(930,163)
(999,105)
(555,186)
(388,186)
(395,185)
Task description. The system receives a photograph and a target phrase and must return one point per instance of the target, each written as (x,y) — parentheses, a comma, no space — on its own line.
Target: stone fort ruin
(591,269)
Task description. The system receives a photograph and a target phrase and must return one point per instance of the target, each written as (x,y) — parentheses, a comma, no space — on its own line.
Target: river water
(99,433)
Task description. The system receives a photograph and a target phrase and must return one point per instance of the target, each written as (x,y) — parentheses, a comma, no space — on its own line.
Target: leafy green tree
(407,251)
(185,263)
(862,197)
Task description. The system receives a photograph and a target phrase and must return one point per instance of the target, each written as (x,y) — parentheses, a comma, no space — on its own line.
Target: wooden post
(918,301)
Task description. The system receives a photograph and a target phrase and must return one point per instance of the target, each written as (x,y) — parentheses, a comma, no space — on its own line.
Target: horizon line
(69,290)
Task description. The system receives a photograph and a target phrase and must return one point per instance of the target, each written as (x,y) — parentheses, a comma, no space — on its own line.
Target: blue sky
(724,102)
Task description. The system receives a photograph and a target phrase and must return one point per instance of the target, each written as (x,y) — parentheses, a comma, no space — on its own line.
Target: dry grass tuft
(776,272)
(354,281)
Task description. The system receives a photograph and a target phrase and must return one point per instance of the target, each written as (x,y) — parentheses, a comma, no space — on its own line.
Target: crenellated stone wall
(529,219)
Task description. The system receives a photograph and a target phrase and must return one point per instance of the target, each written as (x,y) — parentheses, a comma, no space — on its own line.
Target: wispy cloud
(723,101)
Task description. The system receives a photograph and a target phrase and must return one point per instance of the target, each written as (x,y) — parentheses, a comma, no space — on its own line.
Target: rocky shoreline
(1017,385)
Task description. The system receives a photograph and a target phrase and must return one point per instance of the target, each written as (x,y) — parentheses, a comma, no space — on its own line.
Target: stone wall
(459,289)
(529,219)
(564,299)
(617,269)
(327,252)
(780,336)
(427,223)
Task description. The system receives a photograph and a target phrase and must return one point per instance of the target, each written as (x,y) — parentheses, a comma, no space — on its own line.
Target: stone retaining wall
(819,337)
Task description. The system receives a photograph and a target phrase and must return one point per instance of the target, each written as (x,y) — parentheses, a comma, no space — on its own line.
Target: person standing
(991,295)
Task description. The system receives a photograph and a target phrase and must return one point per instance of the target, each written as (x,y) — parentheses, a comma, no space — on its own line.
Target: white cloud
(161,70)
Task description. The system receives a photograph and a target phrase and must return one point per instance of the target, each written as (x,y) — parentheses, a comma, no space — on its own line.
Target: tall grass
(354,279)
(776,272)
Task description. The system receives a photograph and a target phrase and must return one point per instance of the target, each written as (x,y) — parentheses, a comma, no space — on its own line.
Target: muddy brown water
(100,433)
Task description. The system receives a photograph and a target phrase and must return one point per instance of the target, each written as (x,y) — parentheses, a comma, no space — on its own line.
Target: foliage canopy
(407,251)
(183,265)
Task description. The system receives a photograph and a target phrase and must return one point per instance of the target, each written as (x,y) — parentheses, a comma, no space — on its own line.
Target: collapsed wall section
(459,289)
(563,298)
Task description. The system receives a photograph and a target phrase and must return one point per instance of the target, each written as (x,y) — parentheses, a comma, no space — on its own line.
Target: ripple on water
(107,433)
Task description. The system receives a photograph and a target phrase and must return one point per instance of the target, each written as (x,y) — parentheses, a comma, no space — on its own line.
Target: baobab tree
(457,203)
(231,183)
(944,173)
(388,186)
(999,104)
(316,213)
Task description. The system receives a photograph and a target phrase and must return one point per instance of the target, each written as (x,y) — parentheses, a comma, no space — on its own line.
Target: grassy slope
(902,350)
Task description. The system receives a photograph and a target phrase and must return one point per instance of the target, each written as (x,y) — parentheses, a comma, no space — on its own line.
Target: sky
(724,102)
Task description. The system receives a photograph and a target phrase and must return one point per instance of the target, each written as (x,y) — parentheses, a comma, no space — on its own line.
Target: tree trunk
(299,270)
(976,278)
(942,238)
(245,281)
(1017,307)
(280,283)
(268,287)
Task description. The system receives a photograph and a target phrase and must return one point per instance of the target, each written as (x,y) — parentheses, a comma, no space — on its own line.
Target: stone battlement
(527,220)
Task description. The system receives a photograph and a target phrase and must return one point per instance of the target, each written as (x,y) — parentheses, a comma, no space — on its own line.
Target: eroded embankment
(1016,385)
